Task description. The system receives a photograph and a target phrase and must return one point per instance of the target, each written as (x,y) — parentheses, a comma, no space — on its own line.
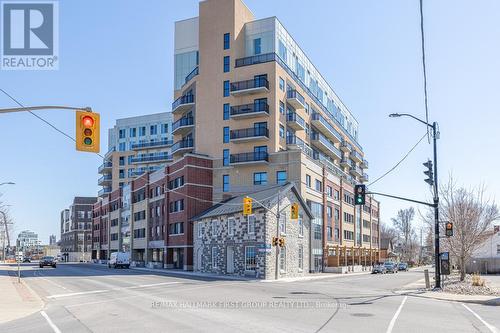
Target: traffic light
(87,131)
(275,241)
(247,206)
(429,173)
(294,214)
(449,229)
(359,194)
(282,242)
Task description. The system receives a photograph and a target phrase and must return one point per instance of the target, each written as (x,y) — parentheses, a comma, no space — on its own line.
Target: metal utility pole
(278,215)
(435,135)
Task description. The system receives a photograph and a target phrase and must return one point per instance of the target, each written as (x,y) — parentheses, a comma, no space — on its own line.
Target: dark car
(26,259)
(402,266)
(391,267)
(379,269)
(47,261)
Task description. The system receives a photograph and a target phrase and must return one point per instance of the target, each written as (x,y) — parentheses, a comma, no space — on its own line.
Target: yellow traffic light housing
(275,241)
(294,212)
(87,131)
(449,229)
(282,242)
(247,206)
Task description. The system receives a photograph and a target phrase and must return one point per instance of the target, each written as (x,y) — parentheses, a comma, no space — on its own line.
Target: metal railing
(295,94)
(249,157)
(182,144)
(320,118)
(293,116)
(249,133)
(256,59)
(184,121)
(259,82)
(155,143)
(346,144)
(150,158)
(186,99)
(193,73)
(105,165)
(321,138)
(249,108)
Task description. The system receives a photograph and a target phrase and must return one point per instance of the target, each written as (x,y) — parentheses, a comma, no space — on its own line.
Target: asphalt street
(93,298)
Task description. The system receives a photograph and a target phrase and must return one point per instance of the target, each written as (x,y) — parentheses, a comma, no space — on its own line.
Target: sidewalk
(18,300)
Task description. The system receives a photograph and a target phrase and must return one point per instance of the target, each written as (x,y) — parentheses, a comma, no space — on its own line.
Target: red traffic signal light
(87,131)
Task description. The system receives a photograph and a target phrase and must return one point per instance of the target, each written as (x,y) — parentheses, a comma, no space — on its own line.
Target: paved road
(91,298)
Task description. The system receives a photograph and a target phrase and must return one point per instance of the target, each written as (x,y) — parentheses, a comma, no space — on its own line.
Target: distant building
(27,241)
(52,240)
(486,259)
(76,230)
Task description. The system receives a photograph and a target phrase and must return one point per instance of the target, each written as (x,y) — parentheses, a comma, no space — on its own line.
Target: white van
(119,259)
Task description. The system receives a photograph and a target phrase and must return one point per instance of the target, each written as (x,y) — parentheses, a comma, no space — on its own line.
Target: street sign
(445,263)
(264,248)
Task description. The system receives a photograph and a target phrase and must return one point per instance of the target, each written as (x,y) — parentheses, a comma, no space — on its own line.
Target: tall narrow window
(256,46)
(225,157)
(225,183)
(226,41)
(225,114)
(280,177)
(226,64)
(225,135)
(226,89)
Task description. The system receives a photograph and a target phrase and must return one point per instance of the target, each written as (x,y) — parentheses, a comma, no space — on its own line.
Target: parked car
(119,259)
(391,267)
(402,266)
(47,261)
(379,269)
(26,259)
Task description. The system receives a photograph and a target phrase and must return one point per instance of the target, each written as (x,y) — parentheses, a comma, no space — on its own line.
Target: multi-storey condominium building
(27,241)
(253,101)
(135,145)
(76,229)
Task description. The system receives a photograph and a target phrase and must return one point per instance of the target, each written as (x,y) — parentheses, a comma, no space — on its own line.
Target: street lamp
(435,135)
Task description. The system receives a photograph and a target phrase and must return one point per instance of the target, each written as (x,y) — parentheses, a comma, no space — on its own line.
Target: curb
(493,301)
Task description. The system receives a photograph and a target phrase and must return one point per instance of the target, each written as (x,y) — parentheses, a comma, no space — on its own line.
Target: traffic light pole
(46,107)
(436,210)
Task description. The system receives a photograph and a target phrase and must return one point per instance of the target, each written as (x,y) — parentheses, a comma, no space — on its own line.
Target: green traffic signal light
(87,141)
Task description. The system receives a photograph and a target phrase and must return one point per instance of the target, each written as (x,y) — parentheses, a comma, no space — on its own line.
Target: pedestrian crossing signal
(247,206)
(294,213)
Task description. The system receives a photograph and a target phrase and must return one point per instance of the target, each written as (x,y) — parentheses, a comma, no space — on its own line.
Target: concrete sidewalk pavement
(18,300)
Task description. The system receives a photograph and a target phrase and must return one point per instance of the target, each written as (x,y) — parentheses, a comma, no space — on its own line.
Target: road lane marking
(396,315)
(51,324)
(41,276)
(492,328)
(108,290)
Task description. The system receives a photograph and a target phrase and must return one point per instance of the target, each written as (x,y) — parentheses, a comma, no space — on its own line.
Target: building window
(282,107)
(231,225)
(301,226)
(260,178)
(282,131)
(164,128)
(122,160)
(225,183)
(226,41)
(282,225)
(177,228)
(329,191)
(317,231)
(283,259)
(226,64)
(226,88)
(329,211)
(153,129)
(214,257)
(121,146)
(498,248)
(336,194)
(214,227)
(225,114)
(318,186)
(132,132)
(308,181)
(225,135)
(225,157)
(301,257)
(329,233)
(121,134)
(121,174)
(256,46)
(280,177)
(142,131)
(250,258)
(348,235)
(282,84)
(251,224)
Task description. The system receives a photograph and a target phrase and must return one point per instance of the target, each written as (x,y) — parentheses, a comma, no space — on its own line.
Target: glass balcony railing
(249,109)
(150,158)
(256,59)
(103,191)
(105,165)
(321,122)
(182,144)
(183,100)
(356,156)
(346,146)
(183,122)
(260,156)
(326,144)
(104,178)
(256,83)
(295,98)
(364,164)
(295,121)
(152,144)
(193,73)
(356,170)
(249,133)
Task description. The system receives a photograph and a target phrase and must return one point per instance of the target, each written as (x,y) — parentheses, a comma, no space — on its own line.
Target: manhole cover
(361,314)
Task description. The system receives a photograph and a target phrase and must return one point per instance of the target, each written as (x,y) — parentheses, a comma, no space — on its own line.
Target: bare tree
(388,232)
(403,225)
(472,216)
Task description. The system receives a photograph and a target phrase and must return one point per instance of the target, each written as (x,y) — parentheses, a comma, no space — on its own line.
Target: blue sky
(117,57)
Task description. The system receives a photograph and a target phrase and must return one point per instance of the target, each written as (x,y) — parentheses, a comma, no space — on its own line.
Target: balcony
(105,167)
(183,103)
(344,162)
(326,128)
(365,178)
(249,158)
(295,99)
(152,144)
(250,110)
(293,120)
(356,157)
(346,147)
(183,125)
(183,146)
(249,134)
(193,73)
(320,141)
(256,59)
(356,171)
(105,190)
(254,86)
(364,164)
(104,180)
(148,158)
(294,140)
